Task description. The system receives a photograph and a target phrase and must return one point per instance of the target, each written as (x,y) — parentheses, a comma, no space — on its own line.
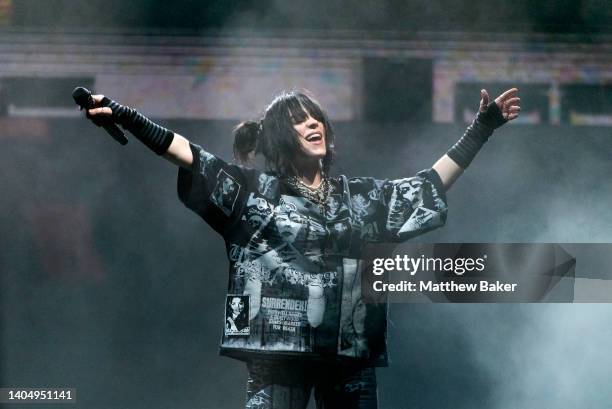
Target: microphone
(82,97)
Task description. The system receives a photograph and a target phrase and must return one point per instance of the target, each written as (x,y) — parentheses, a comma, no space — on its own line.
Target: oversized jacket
(294,285)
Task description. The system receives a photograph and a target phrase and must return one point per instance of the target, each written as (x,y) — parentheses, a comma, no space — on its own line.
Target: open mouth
(314,137)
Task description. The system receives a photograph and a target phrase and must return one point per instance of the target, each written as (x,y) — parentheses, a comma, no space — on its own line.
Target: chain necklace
(318,195)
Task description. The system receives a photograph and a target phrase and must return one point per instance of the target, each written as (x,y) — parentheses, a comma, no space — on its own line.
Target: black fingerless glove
(464,151)
(156,137)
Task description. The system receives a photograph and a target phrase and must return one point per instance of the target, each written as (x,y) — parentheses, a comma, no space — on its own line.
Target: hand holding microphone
(107,113)
(101,116)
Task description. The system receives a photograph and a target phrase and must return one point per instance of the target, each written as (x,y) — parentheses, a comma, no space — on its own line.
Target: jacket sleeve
(213,189)
(413,206)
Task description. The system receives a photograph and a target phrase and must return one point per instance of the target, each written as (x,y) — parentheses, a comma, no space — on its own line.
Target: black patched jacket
(295,267)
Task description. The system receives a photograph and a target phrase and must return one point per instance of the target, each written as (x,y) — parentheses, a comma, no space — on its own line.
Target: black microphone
(82,97)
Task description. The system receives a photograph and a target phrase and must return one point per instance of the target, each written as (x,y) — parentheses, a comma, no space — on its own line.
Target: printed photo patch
(225,193)
(419,219)
(237,315)
(340,232)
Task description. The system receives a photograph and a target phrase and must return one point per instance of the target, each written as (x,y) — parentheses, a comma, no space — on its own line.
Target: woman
(294,237)
(236,317)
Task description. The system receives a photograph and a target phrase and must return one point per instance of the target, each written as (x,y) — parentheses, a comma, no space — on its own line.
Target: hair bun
(246,136)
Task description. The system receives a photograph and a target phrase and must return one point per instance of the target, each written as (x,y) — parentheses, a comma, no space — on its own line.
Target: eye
(298,121)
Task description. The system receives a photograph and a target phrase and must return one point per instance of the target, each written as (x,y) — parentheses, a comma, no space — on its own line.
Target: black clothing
(297,265)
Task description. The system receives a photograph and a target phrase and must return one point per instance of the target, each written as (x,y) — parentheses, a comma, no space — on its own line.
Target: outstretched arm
(448,170)
(506,107)
(170,145)
(179,152)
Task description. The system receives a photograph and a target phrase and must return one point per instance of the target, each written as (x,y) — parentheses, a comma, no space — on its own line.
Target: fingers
(511,107)
(512,101)
(98,114)
(103,111)
(512,116)
(100,111)
(509,103)
(484,100)
(511,93)
(512,113)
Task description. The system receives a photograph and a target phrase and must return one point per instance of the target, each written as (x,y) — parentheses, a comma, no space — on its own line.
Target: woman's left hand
(509,103)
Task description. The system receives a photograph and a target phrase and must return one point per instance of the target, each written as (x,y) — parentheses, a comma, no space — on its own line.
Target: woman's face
(410,189)
(228,186)
(288,226)
(237,305)
(312,137)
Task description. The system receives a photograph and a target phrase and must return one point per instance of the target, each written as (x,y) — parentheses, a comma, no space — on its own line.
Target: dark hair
(275,137)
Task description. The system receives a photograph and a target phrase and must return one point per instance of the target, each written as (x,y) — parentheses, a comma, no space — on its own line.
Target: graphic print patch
(225,193)
(340,236)
(237,315)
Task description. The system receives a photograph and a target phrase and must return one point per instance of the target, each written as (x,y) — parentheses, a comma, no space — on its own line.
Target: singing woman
(294,234)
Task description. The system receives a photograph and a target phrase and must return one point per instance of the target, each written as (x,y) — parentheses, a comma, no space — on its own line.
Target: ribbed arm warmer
(156,137)
(464,151)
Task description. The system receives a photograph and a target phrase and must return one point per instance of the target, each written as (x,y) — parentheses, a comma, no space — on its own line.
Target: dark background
(110,286)
(122,293)
(544,16)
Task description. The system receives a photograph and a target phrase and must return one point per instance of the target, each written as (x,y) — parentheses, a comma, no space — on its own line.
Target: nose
(311,122)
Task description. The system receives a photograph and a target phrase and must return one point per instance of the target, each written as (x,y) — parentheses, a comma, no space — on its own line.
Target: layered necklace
(317,195)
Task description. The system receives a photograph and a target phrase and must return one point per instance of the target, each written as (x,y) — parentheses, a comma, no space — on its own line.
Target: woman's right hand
(100,109)
(179,151)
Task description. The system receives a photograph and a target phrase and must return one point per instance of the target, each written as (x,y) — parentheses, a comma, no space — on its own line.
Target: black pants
(288,384)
